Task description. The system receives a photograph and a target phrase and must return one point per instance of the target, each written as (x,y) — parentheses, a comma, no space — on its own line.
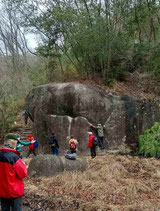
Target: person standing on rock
(100,134)
(91,145)
(31,146)
(12,172)
(53,142)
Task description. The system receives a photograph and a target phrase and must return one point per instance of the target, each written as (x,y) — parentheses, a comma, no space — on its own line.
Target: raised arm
(25,143)
(92,126)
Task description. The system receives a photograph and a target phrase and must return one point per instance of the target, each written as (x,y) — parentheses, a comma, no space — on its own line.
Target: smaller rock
(74,165)
(45,165)
(50,165)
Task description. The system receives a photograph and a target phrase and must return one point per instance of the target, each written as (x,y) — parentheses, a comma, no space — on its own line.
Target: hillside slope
(140,86)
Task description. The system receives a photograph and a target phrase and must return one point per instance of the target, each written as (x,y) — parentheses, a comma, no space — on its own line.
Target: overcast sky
(32,41)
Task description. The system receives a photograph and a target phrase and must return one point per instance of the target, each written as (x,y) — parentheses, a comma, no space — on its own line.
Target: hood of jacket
(7,148)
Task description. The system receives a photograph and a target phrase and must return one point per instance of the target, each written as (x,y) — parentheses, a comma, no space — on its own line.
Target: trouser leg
(34,152)
(5,204)
(26,120)
(28,153)
(103,145)
(53,150)
(93,151)
(17,204)
(101,142)
(56,150)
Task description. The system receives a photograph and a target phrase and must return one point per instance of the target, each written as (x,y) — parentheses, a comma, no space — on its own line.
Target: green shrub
(149,142)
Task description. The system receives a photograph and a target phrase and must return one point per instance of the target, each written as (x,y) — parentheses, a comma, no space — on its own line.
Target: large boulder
(69,108)
(49,165)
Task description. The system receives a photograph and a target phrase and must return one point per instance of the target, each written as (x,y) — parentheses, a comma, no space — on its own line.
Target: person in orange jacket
(31,146)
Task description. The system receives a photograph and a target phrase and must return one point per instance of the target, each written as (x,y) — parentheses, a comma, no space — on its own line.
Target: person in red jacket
(12,172)
(31,146)
(91,145)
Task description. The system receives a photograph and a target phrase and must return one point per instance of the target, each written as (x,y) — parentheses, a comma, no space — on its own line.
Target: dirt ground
(112,182)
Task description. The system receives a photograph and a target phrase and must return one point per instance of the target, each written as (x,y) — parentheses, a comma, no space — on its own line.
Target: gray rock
(50,165)
(69,108)
(74,165)
(45,165)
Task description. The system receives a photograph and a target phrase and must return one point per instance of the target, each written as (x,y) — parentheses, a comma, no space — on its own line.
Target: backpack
(72,145)
(95,141)
(35,144)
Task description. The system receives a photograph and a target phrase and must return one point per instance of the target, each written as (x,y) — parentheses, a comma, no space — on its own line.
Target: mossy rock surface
(50,165)
(74,165)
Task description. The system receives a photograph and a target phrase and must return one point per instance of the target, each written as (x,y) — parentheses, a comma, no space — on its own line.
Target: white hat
(90,133)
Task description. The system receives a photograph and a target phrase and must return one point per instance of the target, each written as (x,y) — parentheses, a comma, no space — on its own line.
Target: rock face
(68,108)
(49,165)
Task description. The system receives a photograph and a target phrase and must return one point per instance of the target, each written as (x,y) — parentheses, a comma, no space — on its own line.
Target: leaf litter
(112,182)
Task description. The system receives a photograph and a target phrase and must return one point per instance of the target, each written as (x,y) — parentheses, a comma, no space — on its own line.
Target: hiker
(20,143)
(91,145)
(73,144)
(53,142)
(72,153)
(12,172)
(100,134)
(26,116)
(31,146)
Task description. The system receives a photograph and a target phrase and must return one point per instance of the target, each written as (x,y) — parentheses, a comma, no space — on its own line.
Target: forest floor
(112,182)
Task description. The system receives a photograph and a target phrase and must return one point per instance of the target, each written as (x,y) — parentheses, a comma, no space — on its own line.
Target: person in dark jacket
(27,115)
(53,142)
(12,172)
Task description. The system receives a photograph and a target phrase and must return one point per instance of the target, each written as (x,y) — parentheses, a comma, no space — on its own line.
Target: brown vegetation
(140,86)
(112,182)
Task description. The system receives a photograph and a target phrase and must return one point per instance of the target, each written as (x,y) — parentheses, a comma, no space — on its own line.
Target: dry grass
(112,182)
